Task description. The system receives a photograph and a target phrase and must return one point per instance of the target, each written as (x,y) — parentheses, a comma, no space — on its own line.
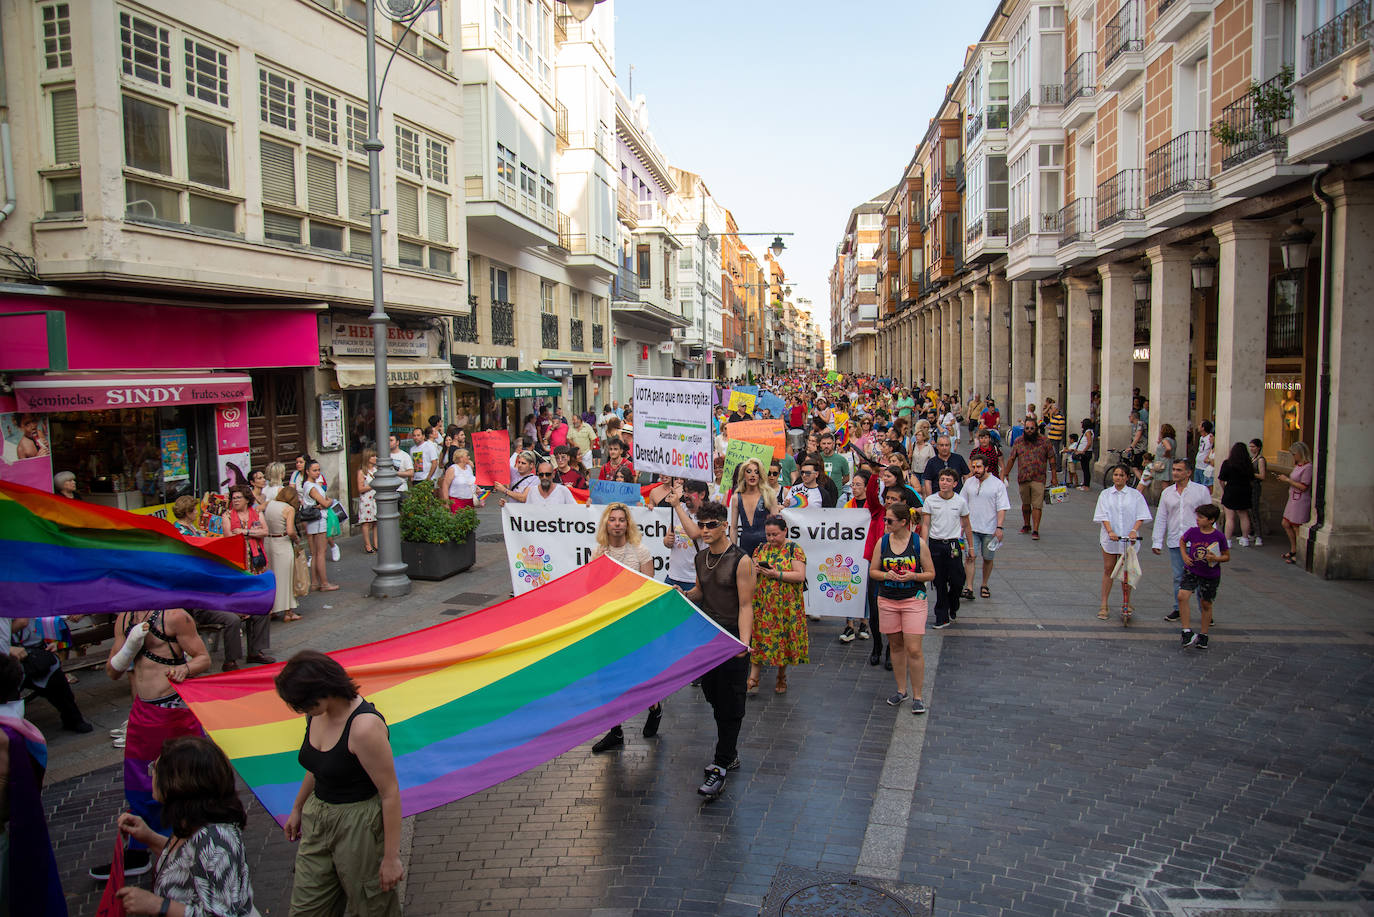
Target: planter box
(438,561)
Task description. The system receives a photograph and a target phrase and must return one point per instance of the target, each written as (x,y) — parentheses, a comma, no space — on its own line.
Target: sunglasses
(810,471)
(546,474)
(711,524)
(774,474)
(890,521)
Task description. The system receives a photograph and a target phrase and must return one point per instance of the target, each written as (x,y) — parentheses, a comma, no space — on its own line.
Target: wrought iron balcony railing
(503,323)
(1077,221)
(548,328)
(1245,132)
(577,335)
(465,326)
(1121,198)
(598,338)
(1051,93)
(959,179)
(1049,223)
(975,126)
(1122,33)
(1019,110)
(1019,230)
(561,124)
(1337,35)
(1177,166)
(974,231)
(1081,77)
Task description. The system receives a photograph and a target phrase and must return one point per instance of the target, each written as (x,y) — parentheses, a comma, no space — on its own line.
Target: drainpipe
(1328,207)
(6,150)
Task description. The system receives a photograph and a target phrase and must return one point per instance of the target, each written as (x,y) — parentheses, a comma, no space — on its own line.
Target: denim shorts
(981,542)
(1204,586)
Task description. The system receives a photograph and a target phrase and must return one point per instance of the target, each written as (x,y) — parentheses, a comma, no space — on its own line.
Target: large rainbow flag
(475,701)
(66,557)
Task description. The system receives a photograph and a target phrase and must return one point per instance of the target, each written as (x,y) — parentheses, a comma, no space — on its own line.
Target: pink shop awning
(103,391)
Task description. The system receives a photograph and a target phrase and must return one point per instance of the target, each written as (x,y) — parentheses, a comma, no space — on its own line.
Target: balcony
(1034,247)
(1123,48)
(582,249)
(975,127)
(598,338)
(1019,110)
(1178,166)
(1176,18)
(549,337)
(1246,130)
(503,323)
(577,335)
(1333,102)
(1120,198)
(1051,93)
(1077,225)
(625,285)
(1337,36)
(627,207)
(564,232)
(1080,90)
(465,326)
(561,126)
(974,231)
(1020,230)
(959,180)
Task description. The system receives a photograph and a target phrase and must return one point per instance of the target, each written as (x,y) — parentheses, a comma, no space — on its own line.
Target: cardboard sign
(763,432)
(743,398)
(771,403)
(490,457)
(740,452)
(604,492)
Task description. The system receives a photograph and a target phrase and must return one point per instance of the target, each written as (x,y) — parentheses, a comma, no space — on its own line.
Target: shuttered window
(408,208)
(436,210)
(278,174)
(358,194)
(360,243)
(65,141)
(280,227)
(321,184)
(410,254)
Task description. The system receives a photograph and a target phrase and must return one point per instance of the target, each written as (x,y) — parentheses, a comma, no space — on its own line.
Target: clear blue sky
(794,112)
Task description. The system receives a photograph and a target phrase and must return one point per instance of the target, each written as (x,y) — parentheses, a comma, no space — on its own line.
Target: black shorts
(1205,587)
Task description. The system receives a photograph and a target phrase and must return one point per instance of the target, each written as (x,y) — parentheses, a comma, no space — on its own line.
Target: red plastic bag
(111,905)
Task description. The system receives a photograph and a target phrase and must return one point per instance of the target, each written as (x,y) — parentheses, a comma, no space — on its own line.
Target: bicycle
(1123,457)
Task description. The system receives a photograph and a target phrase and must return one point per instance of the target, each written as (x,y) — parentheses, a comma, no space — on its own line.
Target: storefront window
(1283,414)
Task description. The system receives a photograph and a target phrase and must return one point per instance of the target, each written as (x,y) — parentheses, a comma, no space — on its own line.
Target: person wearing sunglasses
(725,591)
(548,492)
(902,567)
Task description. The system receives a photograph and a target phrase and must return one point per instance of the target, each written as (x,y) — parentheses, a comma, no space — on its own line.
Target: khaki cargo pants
(337,860)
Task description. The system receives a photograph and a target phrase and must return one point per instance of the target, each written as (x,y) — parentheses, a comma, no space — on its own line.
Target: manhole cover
(471,598)
(798,892)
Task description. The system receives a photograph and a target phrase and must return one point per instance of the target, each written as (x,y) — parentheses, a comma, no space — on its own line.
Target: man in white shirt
(807,490)
(417,454)
(988,503)
(405,468)
(549,492)
(1176,514)
(431,450)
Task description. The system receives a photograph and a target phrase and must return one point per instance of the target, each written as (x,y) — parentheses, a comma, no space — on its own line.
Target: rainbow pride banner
(475,701)
(67,557)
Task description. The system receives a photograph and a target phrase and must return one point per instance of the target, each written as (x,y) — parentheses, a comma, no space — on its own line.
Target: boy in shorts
(1204,549)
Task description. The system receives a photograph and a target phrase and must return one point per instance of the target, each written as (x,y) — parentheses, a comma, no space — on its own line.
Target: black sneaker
(896,700)
(864,633)
(941,625)
(1172,616)
(1188,639)
(714,784)
(1201,642)
(136,863)
(918,707)
(651,723)
(875,657)
(610,741)
(847,635)
(733,765)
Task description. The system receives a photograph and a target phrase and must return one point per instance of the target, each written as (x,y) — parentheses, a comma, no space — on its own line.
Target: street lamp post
(704,234)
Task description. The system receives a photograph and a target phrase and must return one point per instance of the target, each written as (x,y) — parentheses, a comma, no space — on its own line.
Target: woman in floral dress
(779,614)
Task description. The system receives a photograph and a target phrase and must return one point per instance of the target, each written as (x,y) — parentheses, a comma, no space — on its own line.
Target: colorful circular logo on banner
(839,578)
(534,565)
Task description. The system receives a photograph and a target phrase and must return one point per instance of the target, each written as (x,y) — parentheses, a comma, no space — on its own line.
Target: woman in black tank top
(350,785)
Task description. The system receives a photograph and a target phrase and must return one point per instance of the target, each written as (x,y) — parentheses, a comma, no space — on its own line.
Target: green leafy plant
(426,519)
(1270,103)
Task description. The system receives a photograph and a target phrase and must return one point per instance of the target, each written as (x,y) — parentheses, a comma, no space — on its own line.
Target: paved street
(1067,766)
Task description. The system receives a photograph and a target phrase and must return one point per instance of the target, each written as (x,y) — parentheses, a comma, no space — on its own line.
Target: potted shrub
(436,543)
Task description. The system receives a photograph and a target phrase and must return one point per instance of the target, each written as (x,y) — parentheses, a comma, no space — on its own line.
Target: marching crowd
(936,517)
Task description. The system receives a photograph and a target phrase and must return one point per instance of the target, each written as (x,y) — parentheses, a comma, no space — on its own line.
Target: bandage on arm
(123,660)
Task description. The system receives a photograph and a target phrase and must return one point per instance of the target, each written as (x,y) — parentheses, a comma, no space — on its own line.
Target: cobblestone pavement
(1068,765)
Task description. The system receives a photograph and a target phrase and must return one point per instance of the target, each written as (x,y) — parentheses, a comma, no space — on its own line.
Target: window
(207,152)
(529,181)
(546,303)
(546,193)
(407,150)
(321,116)
(147,136)
(642,267)
(357,128)
(1020,190)
(57,36)
(64,190)
(145,50)
(575,304)
(278,172)
(277,100)
(1279,37)
(423,206)
(1051,183)
(436,159)
(505,164)
(500,285)
(207,73)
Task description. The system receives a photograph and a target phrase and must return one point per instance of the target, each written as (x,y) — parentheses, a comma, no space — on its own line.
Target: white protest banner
(545,542)
(836,572)
(673,427)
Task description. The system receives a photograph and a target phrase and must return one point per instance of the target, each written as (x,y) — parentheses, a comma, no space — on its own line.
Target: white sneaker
(1259,542)
(1243,541)
(119,730)
(334,553)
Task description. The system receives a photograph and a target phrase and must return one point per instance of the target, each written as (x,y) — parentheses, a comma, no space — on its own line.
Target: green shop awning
(509,383)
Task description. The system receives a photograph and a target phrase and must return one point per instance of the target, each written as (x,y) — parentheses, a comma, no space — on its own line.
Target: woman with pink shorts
(902,566)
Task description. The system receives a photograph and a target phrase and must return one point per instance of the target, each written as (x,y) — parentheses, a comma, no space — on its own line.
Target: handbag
(310,512)
(300,574)
(37,663)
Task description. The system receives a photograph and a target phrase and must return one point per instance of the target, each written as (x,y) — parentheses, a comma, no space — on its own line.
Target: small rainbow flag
(475,701)
(66,557)
(796,500)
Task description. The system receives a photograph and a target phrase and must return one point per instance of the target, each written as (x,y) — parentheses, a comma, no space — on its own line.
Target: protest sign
(832,376)
(604,492)
(673,427)
(743,398)
(841,429)
(836,572)
(491,457)
(545,542)
(763,432)
(739,452)
(771,403)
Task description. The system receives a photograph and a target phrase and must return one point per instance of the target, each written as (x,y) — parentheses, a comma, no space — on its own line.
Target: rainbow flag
(797,500)
(66,557)
(474,701)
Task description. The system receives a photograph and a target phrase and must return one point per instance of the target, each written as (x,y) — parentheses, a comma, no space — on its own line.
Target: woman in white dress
(1121,510)
(315,494)
(280,518)
(367,500)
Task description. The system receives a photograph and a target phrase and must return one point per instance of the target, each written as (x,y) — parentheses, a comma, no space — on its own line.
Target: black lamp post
(1204,268)
(1294,245)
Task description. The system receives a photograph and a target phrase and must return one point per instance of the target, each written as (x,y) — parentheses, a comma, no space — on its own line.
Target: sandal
(984,593)
(290,616)
(1102,613)
(967,594)
(753,687)
(781,686)
(330,588)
